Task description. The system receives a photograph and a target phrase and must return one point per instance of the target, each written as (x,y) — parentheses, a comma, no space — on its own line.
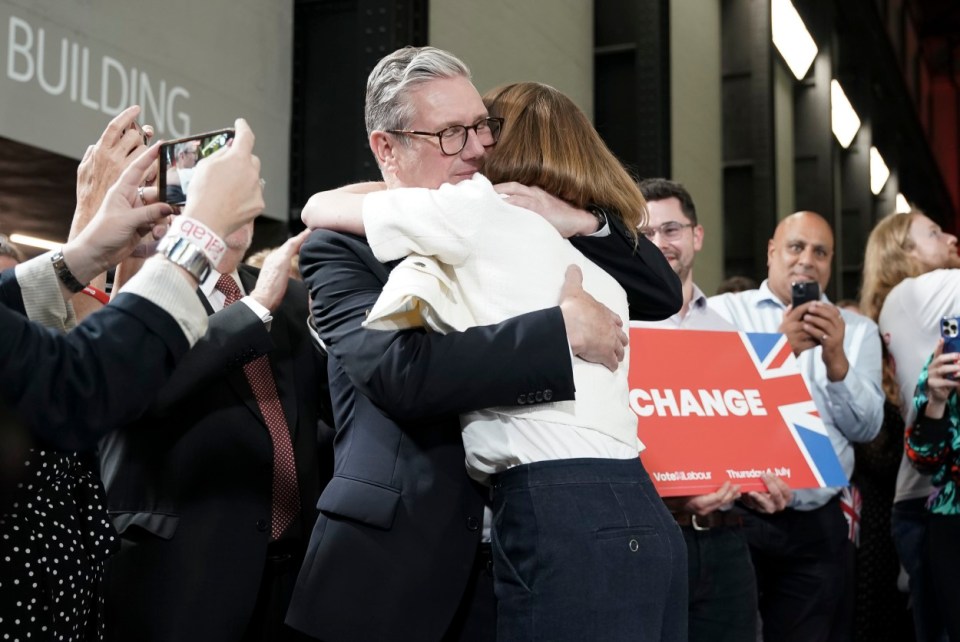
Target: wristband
(64,274)
(198,234)
(182,252)
(97,294)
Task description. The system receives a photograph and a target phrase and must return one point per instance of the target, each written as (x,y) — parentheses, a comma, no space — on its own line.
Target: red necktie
(286,499)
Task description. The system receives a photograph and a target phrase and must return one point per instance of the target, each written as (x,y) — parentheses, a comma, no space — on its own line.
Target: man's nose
(473,148)
(659,239)
(807,256)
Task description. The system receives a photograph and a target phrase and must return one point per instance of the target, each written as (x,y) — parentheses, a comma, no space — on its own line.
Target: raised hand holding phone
(941,376)
(180,158)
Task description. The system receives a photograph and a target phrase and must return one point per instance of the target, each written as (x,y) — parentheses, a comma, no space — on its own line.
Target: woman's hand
(941,380)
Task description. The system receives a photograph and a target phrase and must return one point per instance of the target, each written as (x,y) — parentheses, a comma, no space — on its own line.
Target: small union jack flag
(851,503)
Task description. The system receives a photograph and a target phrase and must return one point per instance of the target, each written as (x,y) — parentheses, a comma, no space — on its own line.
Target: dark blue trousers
(584,549)
(723,585)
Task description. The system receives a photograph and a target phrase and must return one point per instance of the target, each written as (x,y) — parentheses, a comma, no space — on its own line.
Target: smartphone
(804,291)
(950,331)
(179,158)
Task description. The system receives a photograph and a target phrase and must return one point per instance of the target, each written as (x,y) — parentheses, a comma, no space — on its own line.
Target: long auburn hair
(887,262)
(549,142)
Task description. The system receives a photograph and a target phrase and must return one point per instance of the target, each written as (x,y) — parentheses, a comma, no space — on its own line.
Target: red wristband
(99,295)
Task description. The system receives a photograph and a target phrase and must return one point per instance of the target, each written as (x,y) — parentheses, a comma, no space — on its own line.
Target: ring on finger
(140,195)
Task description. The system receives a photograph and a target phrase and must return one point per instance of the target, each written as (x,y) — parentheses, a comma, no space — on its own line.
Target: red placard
(718,406)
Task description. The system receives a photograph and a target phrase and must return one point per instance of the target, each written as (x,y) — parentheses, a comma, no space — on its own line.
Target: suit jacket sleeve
(653,288)
(10,294)
(413,374)
(72,389)
(235,336)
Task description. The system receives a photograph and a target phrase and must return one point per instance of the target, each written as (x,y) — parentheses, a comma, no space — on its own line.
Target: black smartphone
(804,291)
(179,158)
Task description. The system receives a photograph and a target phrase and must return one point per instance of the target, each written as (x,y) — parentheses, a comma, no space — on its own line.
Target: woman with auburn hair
(583,547)
(551,144)
(907,290)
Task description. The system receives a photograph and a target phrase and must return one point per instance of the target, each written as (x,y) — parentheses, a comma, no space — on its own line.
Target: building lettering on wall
(102,83)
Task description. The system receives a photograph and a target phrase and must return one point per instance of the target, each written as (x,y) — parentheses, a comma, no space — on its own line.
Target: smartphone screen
(804,291)
(180,158)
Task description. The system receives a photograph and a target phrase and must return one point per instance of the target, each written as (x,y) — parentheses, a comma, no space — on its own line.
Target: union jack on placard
(804,422)
(772,354)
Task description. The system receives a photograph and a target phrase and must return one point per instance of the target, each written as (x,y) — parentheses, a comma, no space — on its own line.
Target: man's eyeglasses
(670,230)
(454,139)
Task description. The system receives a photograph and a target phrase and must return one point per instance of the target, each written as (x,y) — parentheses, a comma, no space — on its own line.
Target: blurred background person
(804,555)
(10,254)
(257,258)
(736,284)
(180,173)
(722,580)
(933,447)
(908,286)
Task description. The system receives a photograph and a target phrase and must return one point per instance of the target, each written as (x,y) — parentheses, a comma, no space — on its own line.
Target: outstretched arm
(339,210)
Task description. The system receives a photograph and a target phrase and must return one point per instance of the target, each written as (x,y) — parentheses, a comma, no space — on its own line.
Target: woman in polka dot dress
(55,540)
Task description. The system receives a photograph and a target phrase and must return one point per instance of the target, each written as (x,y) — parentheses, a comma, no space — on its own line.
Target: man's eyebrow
(803,242)
(454,123)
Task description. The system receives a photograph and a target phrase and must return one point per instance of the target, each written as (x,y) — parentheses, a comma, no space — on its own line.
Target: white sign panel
(68,66)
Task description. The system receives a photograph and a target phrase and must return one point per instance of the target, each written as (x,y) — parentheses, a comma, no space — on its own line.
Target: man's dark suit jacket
(189,485)
(65,387)
(63,391)
(400,522)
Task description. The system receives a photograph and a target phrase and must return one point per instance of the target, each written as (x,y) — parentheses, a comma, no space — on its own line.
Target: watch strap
(600,214)
(64,274)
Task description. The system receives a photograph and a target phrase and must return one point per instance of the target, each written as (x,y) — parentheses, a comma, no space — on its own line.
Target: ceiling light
(32,241)
(903,206)
(878,171)
(791,37)
(843,119)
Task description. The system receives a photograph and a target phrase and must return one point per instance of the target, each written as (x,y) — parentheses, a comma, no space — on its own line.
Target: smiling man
(721,579)
(802,555)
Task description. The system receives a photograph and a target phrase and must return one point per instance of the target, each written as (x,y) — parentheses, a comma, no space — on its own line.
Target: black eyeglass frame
(466,133)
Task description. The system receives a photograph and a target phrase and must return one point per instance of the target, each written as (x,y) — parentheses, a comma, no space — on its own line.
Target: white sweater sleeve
(442,223)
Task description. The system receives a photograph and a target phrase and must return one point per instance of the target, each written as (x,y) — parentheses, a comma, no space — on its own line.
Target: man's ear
(384,149)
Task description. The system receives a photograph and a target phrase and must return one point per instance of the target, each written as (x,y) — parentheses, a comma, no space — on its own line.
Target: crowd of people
(429,436)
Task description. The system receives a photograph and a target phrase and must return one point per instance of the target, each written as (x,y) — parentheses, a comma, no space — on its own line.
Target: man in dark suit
(397,551)
(213,498)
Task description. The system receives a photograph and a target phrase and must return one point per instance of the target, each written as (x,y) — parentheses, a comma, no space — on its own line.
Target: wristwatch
(182,252)
(64,274)
(600,215)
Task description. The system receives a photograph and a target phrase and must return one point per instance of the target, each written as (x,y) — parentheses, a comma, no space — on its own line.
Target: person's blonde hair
(548,142)
(887,262)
